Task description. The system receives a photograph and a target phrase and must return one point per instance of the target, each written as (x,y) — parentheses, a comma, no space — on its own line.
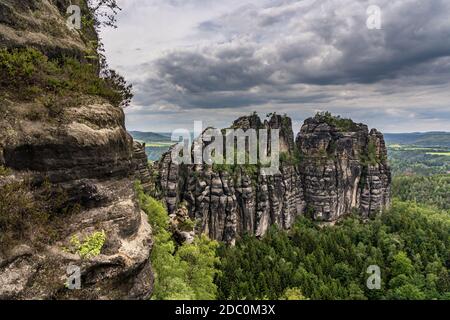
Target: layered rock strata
(83,160)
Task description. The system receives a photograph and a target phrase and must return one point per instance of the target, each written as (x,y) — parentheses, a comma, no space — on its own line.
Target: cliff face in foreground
(67,166)
(334,167)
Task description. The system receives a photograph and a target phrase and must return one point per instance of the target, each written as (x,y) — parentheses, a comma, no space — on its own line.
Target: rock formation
(344,167)
(81,158)
(141,167)
(334,167)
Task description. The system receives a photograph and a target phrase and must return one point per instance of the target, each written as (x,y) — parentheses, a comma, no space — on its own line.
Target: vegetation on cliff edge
(27,74)
(183,272)
(342,124)
(32,213)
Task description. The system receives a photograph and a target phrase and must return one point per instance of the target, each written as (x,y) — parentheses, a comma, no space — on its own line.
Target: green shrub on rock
(22,216)
(30,74)
(91,246)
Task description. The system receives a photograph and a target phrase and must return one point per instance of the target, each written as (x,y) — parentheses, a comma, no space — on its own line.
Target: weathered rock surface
(121,271)
(337,170)
(327,174)
(230,204)
(40,24)
(86,154)
(181,226)
(142,168)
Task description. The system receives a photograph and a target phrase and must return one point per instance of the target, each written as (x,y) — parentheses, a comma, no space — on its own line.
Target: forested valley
(410,243)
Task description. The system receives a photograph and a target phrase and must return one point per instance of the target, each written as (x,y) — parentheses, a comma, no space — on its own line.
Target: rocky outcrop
(40,24)
(181,226)
(80,156)
(376,186)
(344,168)
(334,167)
(234,200)
(142,168)
(34,270)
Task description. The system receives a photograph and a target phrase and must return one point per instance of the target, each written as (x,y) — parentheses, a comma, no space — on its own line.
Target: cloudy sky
(216,60)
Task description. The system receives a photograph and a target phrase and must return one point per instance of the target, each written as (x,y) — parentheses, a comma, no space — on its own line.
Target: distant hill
(426,139)
(150,137)
(157,143)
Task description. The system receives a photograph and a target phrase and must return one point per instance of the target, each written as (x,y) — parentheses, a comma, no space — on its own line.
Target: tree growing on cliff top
(340,123)
(105,12)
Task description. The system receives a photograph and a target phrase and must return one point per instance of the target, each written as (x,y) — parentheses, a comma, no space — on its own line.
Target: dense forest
(410,243)
(414,160)
(419,153)
(430,190)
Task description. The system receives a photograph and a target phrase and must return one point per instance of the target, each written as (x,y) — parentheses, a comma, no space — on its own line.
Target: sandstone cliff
(67,164)
(334,167)
(344,167)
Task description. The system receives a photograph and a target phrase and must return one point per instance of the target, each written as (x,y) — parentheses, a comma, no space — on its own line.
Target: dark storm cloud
(227,70)
(153,91)
(217,60)
(267,51)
